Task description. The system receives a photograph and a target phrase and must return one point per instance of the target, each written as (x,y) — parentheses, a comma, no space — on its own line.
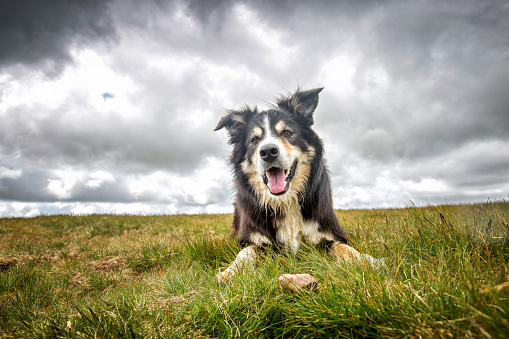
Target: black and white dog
(283,190)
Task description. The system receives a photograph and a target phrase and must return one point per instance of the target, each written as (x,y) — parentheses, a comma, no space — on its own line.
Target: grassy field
(446,275)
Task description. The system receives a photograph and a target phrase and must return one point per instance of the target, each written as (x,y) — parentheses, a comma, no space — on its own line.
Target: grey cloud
(440,94)
(474,165)
(209,13)
(43,32)
(30,186)
(107,192)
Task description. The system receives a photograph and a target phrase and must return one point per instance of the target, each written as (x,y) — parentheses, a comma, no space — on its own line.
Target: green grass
(445,275)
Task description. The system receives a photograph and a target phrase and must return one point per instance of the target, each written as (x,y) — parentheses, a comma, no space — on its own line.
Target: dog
(283,189)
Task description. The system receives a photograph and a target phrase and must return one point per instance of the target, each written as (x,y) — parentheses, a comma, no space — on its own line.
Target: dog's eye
(287,133)
(255,139)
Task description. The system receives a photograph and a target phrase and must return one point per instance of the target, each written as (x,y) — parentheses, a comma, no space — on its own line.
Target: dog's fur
(283,191)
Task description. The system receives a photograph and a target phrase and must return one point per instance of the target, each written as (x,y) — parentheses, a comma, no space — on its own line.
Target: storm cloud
(109,106)
(38,34)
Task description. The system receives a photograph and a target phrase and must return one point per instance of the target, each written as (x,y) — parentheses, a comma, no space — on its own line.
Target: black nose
(269,152)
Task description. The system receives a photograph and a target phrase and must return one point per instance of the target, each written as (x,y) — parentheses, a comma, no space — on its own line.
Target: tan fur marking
(280,127)
(288,147)
(257,132)
(254,178)
(344,252)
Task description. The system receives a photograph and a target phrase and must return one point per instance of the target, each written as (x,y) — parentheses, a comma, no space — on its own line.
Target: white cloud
(194,188)
(88,78)
(10,173)
(63,186)
(32,213)
(426,185)
(83,209)
(98,178)
(337,75)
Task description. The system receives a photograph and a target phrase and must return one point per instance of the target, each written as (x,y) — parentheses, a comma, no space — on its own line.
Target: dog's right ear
(235,122)
(301,103)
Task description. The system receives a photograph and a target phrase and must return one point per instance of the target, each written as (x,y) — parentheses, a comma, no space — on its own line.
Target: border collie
(283,190)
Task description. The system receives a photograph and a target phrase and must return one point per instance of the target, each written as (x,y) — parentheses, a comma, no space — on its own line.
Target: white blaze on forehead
(268,130)
(270,138)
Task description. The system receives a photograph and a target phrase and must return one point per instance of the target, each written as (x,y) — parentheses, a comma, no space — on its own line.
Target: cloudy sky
(110,106)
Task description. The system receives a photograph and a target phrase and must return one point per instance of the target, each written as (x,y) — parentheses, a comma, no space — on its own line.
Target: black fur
(315,200)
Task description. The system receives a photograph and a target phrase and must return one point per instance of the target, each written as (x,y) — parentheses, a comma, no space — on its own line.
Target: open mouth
(278,179)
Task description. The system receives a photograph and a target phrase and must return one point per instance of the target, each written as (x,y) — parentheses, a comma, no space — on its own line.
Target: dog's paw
(343,252)
(225,276)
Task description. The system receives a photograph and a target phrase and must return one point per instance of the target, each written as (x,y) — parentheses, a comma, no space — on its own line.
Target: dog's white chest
(293,229)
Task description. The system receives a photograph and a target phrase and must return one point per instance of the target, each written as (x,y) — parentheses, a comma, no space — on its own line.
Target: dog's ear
(235,122)
(303,104)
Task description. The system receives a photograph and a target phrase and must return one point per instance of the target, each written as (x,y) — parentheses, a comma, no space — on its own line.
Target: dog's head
(274,148)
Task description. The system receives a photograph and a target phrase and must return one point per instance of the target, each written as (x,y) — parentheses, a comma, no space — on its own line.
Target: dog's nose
(269,152)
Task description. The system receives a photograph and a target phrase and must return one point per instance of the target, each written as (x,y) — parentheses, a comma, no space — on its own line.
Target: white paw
(225,276)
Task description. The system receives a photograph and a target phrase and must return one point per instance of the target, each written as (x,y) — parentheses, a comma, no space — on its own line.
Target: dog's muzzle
(276,177)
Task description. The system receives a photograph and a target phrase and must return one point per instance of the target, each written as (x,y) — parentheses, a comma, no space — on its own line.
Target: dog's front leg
(347,253)
(245,258)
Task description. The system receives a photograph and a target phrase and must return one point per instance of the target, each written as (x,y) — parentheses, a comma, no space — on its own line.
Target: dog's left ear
(235,122)
(303,104)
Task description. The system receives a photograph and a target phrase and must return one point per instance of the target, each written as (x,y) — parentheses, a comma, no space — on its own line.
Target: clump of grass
(445,275)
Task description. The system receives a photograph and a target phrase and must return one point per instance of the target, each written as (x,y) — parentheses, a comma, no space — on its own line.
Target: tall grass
(445,275)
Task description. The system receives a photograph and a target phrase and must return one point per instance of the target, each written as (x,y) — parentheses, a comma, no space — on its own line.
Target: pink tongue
(276,178)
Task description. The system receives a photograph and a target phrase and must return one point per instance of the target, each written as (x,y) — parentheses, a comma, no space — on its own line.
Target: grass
(446,275)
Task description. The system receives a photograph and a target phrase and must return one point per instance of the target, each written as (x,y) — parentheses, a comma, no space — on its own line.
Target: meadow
(446,274)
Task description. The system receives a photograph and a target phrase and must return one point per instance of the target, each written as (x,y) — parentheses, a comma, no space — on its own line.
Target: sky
(110,106)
